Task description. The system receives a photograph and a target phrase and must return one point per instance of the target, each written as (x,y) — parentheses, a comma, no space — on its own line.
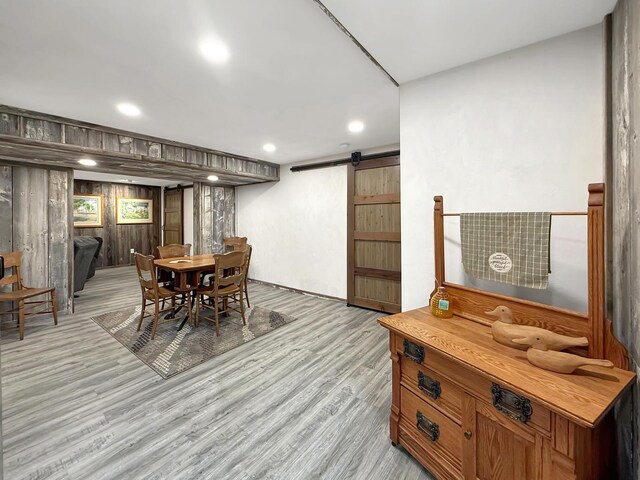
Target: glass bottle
(441,304)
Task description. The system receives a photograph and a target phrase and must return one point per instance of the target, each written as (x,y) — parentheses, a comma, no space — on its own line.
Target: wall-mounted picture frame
(134,211)
(88,211)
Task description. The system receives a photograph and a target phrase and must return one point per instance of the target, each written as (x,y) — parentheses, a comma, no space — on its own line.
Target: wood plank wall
(41,127)
(214,217)
(35,218)
(622,172)
(120,239)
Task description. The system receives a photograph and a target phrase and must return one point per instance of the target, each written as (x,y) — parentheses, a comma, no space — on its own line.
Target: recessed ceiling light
(87,162)
(344,145)
(127,180)
(214,51)
(128,109)
(212,178)
(356,126)
(269,147)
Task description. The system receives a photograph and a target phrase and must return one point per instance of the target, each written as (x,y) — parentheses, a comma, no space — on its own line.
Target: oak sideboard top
(583,397)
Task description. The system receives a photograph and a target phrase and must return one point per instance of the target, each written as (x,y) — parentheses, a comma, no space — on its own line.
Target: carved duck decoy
(504,331)
(540,356)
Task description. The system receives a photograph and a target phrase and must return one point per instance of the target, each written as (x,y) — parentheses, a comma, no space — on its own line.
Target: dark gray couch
(84,249)
(94,260)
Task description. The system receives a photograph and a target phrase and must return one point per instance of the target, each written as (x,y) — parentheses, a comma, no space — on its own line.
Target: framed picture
(131,211)
(87,211)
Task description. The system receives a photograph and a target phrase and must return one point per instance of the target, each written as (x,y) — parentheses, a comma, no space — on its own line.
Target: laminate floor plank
(307,401)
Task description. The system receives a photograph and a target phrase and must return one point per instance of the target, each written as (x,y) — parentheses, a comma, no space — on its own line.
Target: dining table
(187,273)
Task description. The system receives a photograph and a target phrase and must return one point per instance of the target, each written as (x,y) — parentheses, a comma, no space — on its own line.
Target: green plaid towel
(508,248)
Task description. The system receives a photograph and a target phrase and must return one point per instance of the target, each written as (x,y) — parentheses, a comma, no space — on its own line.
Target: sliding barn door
(374,234)
(173,228)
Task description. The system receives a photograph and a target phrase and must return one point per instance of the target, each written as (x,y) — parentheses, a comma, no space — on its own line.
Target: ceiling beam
(344,29)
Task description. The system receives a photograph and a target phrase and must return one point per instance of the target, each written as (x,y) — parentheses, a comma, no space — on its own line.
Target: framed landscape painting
(87,211)
(131,211)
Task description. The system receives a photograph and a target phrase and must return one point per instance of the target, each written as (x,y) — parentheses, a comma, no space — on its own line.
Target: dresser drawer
(484,388)
(432,387)
(433,430)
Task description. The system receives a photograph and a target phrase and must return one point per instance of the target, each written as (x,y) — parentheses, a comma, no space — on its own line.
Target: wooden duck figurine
(504,331)
(540,356)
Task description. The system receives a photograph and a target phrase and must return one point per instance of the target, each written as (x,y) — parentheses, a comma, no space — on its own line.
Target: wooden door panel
(496,448)
(377,218)
(374,278)
(374,254)
(173,221)
(376,181)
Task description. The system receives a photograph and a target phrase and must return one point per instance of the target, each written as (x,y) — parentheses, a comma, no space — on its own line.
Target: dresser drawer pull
(428,385)
(413,351)
(426,426)
(511,404)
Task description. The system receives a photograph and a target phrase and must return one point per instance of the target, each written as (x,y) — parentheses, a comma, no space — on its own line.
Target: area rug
(172,352)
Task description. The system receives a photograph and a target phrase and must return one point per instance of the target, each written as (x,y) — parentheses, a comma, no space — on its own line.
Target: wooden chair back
(174,250)
(230,243)
(230,269)
(12,260)
(247,249)
(146,273)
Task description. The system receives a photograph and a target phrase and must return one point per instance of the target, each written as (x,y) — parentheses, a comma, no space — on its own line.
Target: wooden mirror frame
(471,303)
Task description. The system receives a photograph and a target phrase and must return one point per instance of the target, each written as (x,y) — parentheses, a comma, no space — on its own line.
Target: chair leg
(21,318)
(215,316)
(173,307)
(54,307)
(198,300)
(144,304)
(189,308)
(242,307)
(156,316)
(246,292)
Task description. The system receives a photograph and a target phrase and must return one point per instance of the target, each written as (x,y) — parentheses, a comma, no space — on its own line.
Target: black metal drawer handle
(413,351)
(426,426)
(511,404)
(428,385)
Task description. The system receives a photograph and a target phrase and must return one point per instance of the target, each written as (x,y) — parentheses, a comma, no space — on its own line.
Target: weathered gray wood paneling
(118,240)
(60,224)
(6,209)
(623,175)
(30,223)
(177,159)
(214,212)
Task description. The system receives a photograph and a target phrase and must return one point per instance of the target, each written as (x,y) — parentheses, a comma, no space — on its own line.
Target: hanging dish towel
(508,248)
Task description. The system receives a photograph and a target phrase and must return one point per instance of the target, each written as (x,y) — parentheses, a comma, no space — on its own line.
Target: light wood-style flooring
(308,401)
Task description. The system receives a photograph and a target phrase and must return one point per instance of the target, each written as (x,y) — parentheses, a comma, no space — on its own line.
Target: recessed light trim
(87,162)
(344,145)
(269,147)
(356,126)
(128,109)
(213,178)
(214,51)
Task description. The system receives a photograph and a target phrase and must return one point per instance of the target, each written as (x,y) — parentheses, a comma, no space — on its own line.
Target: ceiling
(415,38)
(292,79)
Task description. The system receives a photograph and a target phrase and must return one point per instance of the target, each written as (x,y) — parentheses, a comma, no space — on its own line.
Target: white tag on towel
(500,262)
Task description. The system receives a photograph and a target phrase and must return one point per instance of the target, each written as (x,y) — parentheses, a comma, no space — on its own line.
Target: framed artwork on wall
(88,211)
(132,211)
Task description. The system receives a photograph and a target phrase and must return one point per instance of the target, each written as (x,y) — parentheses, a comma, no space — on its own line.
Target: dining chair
(165,278)
(152,292)
(21,294)
(226,287)
(230,243)
(247,249)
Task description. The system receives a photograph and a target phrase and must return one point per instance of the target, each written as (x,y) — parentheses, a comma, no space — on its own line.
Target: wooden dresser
(468,407)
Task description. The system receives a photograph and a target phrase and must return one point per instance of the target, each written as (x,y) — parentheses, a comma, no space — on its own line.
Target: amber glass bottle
(441,304)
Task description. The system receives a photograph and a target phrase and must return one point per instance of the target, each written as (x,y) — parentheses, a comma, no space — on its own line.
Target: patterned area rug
(172,352)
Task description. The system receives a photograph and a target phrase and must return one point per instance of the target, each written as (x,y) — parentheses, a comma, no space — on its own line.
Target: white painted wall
(187,216)
(518,131)
(298,228)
